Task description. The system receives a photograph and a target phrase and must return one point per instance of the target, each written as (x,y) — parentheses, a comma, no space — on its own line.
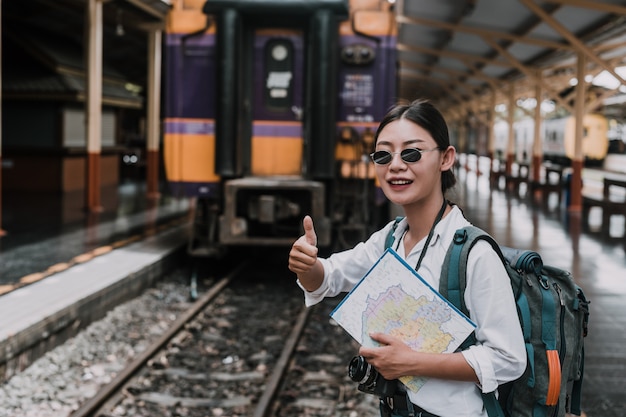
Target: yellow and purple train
(558,136)
(270,110)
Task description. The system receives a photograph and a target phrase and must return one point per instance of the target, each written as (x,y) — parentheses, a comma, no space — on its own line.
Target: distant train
(558,136)
(270,110)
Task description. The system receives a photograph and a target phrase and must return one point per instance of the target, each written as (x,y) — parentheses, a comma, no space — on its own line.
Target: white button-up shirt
(499,354)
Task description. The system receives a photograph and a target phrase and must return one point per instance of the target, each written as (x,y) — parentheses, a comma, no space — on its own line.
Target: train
(558,136)
(270,112)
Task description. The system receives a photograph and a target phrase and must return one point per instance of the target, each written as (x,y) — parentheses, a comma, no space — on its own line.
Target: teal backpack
(553,313)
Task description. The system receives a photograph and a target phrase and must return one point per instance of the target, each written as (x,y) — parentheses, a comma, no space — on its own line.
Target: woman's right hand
(303,254)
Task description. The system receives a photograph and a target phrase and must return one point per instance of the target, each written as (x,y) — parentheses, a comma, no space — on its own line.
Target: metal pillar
(153,110)
(577,162)
(93,103)
(537,141)
(510,149)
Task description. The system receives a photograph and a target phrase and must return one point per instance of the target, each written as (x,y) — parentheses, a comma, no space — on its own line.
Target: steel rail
(93,405)
(276,378)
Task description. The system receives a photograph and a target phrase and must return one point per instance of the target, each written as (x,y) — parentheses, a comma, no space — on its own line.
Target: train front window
(279,66)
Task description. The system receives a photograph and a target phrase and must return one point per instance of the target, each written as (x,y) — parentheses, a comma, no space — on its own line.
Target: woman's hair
(425,115)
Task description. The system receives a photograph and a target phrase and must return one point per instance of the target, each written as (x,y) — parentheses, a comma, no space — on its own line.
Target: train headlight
(238,227)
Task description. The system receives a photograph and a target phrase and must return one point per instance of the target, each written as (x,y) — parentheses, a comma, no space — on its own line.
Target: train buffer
(612,201)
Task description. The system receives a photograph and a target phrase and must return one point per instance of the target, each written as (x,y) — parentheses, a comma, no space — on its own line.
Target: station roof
(125,25)
(454,52)
(457,52)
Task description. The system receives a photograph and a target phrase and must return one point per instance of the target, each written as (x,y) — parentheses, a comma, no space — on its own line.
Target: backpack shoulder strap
(453,273)
(452,286)
(390,236)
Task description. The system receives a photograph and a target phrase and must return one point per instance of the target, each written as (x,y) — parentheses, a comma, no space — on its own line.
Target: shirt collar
(440,229)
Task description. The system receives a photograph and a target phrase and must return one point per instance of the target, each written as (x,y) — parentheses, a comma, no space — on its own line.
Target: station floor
(52,230)
(62,267)
(596,260)
(47,230)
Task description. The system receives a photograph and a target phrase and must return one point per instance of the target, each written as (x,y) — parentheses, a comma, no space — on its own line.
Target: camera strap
(409,406)
(401,406)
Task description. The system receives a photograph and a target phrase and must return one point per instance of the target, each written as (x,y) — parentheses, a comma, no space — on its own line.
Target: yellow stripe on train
(189,157)
(272,155)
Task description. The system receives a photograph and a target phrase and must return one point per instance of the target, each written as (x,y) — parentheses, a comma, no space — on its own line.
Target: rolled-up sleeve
(313,297)
(499,355)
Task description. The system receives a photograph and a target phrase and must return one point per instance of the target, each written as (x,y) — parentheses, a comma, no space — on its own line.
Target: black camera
(370,381)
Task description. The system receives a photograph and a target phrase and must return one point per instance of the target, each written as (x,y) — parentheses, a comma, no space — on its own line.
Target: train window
(279,77)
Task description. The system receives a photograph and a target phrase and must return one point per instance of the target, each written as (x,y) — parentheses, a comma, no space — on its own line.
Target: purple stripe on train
(177,39)
(208,128)
(277,130)
(190,127)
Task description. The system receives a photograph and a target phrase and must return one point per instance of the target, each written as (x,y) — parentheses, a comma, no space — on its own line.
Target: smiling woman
(418,181)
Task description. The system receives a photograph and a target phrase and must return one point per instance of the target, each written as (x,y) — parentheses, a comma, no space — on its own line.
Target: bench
(612,201)
(497,172)
(552,182)
(521,175)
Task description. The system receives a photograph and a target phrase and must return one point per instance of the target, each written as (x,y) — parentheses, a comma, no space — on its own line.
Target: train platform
(51,229)
(597,261)
(61,268)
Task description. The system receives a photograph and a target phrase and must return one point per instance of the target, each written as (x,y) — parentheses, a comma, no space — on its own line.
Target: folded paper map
(393,299)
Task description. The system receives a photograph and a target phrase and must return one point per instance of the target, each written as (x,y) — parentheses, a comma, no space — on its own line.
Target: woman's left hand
(391,358)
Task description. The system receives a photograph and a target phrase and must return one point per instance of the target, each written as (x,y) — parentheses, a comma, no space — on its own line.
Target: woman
(414,162)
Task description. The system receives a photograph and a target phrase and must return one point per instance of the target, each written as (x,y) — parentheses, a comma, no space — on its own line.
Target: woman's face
(406,183)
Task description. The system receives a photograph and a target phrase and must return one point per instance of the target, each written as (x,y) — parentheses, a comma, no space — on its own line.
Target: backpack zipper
(563,347)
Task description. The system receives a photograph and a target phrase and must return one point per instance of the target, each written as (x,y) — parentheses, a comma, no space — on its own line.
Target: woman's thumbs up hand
(303,254)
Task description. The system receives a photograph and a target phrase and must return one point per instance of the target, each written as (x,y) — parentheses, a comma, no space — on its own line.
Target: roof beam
(141,5)
(524,70)
(571,38)
(481,32)
(449,72)
(609,46)
(459,99)
(457,55)
(451,88)
(592,4)
(597,102)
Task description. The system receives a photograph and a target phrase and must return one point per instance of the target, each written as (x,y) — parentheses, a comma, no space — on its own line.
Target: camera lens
(360,371)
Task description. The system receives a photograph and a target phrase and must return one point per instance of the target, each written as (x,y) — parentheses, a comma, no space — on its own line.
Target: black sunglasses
(409,155)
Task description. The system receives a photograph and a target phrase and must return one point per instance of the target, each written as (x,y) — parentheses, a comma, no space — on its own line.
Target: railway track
(246,347)
(95,405)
